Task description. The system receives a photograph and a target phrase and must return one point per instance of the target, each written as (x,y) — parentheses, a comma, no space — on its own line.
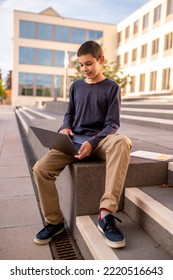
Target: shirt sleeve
(70,114)
(112,120)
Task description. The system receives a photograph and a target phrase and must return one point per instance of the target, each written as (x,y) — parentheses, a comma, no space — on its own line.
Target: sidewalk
(19,214)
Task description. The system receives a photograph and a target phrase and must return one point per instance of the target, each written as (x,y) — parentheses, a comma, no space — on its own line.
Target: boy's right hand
(67,131)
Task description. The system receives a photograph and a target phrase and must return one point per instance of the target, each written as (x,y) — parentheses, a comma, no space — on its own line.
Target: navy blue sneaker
(113,236)
(48,232)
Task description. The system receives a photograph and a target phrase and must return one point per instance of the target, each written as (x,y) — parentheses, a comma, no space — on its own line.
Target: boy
(94,111)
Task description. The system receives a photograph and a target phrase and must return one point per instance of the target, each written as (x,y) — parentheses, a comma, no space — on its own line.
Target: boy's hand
(84,151)
(67,131)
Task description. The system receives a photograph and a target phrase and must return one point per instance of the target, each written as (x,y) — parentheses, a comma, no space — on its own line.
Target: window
(155,46)
(132,84)
(59,58)
(40,85)
(26,55)
(168,41)
(127,32)
(44,57)
(45,31)
(145,21)
(119,37)
(126,58)
(134,54)
(169,7)
(144,51)
(119,59)
(153,80)
(166,78)
(157,14)
(142,82)
(62,34)
(135,27)
(50,32)
(79,35)
(95,35)
(43,85)
(26,81)
(27,29)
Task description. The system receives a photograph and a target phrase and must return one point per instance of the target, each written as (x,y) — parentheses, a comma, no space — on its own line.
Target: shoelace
(48,227)
(111,225)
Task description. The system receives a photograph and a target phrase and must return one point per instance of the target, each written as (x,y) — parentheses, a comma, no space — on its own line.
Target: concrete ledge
(170,173)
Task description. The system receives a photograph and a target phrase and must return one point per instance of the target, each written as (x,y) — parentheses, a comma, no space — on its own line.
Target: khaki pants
(114,148)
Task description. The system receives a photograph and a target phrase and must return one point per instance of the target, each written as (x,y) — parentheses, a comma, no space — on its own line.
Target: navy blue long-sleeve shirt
(94,109)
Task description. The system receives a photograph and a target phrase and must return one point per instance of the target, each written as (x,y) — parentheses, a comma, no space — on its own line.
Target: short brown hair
(90,47)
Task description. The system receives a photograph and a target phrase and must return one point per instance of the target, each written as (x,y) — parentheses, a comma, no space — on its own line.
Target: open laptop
(58,141)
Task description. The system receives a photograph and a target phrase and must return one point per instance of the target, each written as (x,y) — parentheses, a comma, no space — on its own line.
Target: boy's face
(90,67)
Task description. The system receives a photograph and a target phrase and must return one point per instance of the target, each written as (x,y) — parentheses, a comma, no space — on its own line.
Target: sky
(107,11)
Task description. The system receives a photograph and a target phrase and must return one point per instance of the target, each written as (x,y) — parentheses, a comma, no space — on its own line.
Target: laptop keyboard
(77,145)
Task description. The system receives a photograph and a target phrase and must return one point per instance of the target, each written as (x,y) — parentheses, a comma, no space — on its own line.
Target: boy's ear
(102,59)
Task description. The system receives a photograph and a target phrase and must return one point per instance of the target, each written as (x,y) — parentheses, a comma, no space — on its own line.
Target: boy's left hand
(84,151)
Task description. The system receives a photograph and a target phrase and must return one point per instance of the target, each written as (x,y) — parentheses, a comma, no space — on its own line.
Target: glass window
(127,32)
(58,86)
(157,13)
(79,35)
(155,46)
(142,82)
(169,7)
(126,58)
(44,57)
(153,80)
(94,35)
(132,84)
(119,59)
(119,37)
(72,58)
(26,55)
(27,29)
(45,31)
(135,27)
(134,54)
(26,81)
(43,85)
(166,78)
(99,34)
(62,34)
(144,51)
(59,58)
(168,41)
(145,21)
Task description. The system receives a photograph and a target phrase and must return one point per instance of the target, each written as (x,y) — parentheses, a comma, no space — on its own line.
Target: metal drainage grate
(64,247)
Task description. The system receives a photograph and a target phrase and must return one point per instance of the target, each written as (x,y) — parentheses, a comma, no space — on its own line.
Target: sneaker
(48,232)
(113,236)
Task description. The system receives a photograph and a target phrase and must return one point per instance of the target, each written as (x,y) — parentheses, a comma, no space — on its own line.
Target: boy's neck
(96,79)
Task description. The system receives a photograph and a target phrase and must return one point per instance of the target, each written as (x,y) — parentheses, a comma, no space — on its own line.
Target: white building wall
(151,63)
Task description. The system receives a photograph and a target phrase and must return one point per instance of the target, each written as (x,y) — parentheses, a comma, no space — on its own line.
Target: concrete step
(139,245)
(168,105)
(145,112)
(151,207)
(166,124)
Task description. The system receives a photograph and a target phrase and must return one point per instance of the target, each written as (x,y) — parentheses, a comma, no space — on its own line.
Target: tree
(3,94)
(111,70)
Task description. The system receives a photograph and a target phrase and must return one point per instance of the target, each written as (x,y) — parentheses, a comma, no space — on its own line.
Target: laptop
(58,141)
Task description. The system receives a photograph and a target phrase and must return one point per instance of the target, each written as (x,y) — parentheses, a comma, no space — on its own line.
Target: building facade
(145,48)
(45,46)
